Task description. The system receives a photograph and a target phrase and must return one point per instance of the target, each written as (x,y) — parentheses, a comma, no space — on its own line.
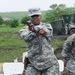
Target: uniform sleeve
(49,30)
(27,35)
(66,52)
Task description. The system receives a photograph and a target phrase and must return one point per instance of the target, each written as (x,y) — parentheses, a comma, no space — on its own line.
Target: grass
(7,29)
(10,55)
(12,46)
(57,43)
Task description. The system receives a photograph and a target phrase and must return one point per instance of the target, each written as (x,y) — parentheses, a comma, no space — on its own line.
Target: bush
(25,19)
(13,23)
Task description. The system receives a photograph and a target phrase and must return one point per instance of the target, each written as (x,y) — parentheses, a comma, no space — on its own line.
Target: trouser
(54,70)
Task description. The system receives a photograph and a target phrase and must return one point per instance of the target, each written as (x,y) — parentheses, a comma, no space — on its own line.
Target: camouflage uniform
(68,53)
(40,53)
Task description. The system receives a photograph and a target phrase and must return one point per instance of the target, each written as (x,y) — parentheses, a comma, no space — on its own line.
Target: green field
(11,45)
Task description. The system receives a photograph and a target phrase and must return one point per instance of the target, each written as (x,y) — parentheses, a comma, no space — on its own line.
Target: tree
(58,7)
(62,6)
(53,6)
(56,12)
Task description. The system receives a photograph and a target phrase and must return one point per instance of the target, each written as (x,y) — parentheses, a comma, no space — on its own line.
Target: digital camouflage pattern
(68,53)
(34,11)
(50,71)
(40,52)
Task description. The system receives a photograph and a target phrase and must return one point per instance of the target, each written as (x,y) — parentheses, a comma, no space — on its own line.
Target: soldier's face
(36,19)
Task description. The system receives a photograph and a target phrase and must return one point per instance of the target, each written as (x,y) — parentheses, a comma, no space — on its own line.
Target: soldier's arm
(67,47)
(47,30)
(27,35)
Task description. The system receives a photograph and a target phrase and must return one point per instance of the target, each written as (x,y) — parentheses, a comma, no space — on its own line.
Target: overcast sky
(24,5)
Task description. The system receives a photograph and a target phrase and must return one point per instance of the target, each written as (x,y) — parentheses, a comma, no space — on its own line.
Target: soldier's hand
(41,31)
(31,28)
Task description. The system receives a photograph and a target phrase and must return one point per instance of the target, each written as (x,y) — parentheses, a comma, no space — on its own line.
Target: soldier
(68,53)
(40,53)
